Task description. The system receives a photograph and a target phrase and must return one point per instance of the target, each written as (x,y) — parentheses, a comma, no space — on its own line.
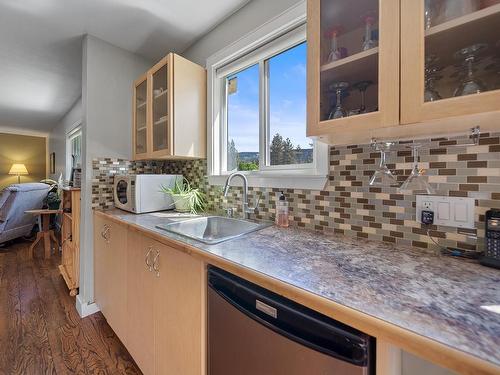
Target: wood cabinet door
(160,78)
(449,59)
(180,331)
(140,119)
(140,325)
(110,267)
(352,67)
(101,263)
(117,279)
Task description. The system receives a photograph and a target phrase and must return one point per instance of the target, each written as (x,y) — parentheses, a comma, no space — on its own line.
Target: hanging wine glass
(361,86)
(417,181)
(368,42)
(383,175)
(338,111)
(470,84)
(335,51)
(431,76)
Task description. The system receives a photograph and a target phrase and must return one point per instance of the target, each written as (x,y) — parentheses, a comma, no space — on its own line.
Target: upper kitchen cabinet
(353,65)
(139,135)
(450,58)
(170,111)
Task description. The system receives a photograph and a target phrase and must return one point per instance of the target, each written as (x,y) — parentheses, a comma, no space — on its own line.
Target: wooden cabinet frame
(168,62)
(413,107)
(186,110)
(136,155)
(388,74)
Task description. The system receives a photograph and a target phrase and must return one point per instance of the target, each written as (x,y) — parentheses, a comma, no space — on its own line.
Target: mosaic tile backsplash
(348,205)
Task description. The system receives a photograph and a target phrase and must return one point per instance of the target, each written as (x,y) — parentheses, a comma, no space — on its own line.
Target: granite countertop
(452,301)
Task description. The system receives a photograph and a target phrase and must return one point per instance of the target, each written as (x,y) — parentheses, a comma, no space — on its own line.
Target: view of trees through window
(288,143)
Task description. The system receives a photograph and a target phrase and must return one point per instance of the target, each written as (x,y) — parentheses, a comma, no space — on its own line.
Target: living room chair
(14,201)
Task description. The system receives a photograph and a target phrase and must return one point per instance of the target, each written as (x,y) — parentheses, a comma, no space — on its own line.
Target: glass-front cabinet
(160,104)
(170,123)
(140,117)
(353,58)
(450,58)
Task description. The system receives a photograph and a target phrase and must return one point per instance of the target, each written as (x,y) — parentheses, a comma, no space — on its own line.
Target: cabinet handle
(156,263)
(148,263)
(103,229)
(105,232)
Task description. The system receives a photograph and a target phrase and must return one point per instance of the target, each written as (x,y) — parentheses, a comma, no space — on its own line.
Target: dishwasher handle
(294,321)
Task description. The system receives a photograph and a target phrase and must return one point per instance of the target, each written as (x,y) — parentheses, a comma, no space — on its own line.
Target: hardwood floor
(40,330)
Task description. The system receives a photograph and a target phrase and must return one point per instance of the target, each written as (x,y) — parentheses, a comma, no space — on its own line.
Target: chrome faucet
(247,210)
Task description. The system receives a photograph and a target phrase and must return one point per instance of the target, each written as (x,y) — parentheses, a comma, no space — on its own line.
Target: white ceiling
(40,46)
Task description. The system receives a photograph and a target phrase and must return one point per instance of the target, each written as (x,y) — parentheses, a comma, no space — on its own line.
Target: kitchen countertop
(450,301)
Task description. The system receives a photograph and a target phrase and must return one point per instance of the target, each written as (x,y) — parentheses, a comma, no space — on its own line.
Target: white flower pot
(181,203)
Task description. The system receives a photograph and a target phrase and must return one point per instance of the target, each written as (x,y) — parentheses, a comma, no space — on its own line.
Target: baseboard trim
(84,308)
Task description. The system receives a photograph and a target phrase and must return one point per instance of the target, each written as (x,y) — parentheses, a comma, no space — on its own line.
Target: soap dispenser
(282,211)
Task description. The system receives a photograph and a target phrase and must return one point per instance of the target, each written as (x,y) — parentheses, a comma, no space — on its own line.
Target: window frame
(278,35)
(70,136)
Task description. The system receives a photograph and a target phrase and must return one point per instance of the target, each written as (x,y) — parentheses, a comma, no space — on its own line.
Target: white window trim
(76,129)
(223,62)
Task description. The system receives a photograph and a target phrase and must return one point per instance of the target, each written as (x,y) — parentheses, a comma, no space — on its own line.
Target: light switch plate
(448,211)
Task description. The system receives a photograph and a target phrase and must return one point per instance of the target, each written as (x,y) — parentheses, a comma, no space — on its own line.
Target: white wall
(108,73)
(248,18)
(57,137)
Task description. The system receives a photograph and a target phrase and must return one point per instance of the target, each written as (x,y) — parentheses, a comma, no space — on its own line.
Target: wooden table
(44,230)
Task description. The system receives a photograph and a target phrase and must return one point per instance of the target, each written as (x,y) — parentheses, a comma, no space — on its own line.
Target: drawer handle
(156,264)
(105,232)
(147,259)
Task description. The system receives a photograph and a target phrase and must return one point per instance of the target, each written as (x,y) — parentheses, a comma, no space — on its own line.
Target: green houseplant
(186,198)
(53,198)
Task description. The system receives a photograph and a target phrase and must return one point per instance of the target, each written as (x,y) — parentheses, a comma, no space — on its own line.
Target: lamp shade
(18,169)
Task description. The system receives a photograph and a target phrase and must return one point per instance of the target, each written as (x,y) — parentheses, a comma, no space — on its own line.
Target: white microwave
(140,193)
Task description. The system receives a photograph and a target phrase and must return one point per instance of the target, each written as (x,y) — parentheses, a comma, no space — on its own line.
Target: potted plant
(53,198)
(186,198)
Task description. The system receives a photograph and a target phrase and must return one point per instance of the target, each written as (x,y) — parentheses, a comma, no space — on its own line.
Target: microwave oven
(141,193)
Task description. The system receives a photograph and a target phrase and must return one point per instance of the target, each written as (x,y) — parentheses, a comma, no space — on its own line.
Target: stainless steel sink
(213,229)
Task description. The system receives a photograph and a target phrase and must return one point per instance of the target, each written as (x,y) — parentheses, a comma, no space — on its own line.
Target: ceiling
(40,46)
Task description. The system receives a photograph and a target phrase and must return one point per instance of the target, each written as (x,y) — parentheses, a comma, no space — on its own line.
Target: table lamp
(18,169)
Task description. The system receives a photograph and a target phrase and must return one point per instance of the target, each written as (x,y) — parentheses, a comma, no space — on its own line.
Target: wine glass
(383,175)
(338,111)
(361,86)
(368,41)
(335,52)
(417,180)
(431,70)
(470,84)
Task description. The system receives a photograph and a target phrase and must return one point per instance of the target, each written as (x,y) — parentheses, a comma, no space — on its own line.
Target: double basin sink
(213,229)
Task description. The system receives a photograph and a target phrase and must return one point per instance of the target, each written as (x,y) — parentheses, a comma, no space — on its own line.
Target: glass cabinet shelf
(462,49)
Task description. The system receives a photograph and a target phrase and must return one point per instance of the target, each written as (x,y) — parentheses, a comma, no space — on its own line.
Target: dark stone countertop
(451,301)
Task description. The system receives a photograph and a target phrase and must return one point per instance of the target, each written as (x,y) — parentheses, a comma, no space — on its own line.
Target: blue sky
(287,73)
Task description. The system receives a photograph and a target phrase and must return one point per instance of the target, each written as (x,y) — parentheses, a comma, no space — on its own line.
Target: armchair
(14,200)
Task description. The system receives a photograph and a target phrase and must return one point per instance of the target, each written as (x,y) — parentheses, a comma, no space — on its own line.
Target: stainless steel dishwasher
(252,331)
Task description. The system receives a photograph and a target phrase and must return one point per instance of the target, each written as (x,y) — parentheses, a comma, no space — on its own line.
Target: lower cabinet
(154,298)
(140,297)
(179,306)
(110,266)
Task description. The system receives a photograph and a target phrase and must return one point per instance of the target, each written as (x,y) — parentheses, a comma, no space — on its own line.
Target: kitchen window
(73,150)
(258,111)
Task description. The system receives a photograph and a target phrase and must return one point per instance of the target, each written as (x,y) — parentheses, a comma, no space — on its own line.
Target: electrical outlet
(427,205)
(447,211)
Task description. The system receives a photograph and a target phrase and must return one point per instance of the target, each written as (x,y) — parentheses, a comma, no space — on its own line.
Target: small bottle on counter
(282,211)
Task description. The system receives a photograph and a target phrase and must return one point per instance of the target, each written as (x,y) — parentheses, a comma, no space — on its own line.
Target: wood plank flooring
(40,330)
